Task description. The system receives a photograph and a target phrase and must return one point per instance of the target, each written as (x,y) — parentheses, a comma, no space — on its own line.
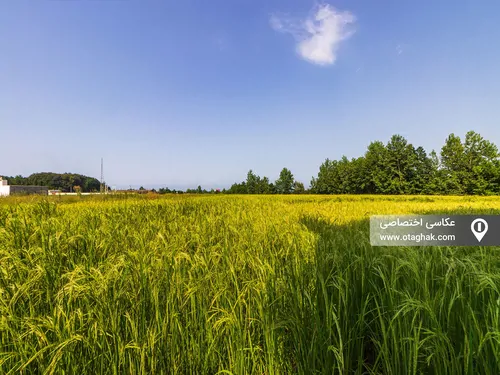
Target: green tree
(298,188)
(358,179)
(264,186)
(436,183)
(469,167)
(327,181)
(481,157)
(453,165)
(401,157)
(284,184)
(164,190)
(422,173)
(345,176)
(236,188)
(377,176)
(252,182)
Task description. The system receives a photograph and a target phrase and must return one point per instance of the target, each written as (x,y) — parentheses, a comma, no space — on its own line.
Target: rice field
(240,285)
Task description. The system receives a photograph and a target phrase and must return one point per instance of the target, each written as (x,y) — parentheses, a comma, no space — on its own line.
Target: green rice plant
(240,285)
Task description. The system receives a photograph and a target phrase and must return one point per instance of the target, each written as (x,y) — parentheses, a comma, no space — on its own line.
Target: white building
(4,188)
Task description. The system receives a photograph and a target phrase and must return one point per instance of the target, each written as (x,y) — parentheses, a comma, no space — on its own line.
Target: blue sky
(181,93)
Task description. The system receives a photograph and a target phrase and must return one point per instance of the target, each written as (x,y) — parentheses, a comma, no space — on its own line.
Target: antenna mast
(102,175)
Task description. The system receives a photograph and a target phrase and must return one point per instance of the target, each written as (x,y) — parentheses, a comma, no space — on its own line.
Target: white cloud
(402,48)
(319,35)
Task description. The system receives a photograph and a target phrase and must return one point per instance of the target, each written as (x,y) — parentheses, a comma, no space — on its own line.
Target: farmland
(240,285)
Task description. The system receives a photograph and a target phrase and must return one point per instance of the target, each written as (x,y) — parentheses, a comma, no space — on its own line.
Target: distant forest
(468,167)
(65,182)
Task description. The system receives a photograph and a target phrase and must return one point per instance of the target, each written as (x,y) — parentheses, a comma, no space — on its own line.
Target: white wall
(4,190)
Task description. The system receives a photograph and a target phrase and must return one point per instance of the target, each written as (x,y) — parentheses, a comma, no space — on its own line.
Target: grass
(240,285)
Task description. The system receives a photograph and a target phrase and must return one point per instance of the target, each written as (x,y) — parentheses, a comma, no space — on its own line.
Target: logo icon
(479,227)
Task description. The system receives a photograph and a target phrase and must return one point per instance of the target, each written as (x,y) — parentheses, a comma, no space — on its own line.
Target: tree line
(285,184)
(463,167)
(468,167)
(254,184)
(65,182)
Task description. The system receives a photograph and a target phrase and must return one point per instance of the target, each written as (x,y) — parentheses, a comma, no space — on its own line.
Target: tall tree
(400,158)
(453,165)
(359,173)
(422,172)
(480,161)
(284,184)
(252,182)
(469,167)
(376,167)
